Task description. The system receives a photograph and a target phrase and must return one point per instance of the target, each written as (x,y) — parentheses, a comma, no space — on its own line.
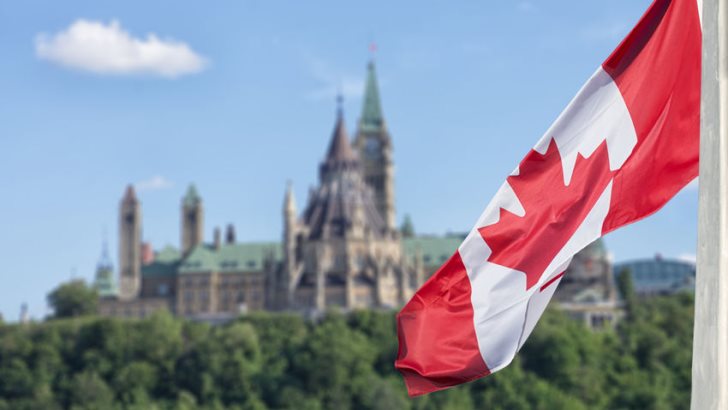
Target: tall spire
(105,260)
(340,147)
(371,115)
(104,278)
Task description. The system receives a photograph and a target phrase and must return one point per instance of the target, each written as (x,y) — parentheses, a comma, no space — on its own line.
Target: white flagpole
(710,340)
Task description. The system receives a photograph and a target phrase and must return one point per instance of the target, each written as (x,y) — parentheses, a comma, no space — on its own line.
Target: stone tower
(290,251)
(192,220)
(374,146)
(130,244)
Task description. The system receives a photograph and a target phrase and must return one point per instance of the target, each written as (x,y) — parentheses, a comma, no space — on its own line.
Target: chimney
(147,253)
(216,238)
(230,234)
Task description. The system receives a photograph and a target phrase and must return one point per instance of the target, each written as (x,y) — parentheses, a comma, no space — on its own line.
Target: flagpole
(710,339)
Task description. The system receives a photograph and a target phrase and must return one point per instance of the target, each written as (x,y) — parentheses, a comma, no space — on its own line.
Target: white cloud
(687,257)
(109,49)
(155,183)
(527,7)
(331,82)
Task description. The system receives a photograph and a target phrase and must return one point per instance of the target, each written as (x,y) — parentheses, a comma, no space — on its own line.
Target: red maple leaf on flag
(553,210)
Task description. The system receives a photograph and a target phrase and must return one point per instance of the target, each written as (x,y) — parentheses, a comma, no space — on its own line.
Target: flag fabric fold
(625,145)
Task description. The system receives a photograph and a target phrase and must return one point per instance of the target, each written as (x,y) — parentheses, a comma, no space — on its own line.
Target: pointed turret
(289,203)
(340,147)
(340,156)
(283,291)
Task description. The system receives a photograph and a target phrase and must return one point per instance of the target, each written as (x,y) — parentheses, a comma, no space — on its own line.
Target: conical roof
(340,147)
(340,156)
(371,115)
(289,204)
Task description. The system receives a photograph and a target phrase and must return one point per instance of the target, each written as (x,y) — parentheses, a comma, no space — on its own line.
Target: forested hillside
(341,362)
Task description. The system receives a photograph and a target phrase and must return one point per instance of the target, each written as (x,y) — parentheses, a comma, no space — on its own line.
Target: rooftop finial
(339,102)
(373,49)
(105,261)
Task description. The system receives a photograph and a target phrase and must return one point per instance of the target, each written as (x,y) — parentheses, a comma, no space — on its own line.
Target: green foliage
(73,299)
(281,361)
(625,284)
(408,228)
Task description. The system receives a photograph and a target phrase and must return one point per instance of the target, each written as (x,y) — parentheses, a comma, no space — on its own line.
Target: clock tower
(374,147)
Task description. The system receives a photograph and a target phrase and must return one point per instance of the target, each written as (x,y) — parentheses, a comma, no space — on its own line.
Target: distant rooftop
(658,275)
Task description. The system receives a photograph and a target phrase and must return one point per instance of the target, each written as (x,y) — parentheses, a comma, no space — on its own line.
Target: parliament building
(344,250)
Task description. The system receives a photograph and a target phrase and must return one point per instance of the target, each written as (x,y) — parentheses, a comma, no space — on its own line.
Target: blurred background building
(344,250)
(659,276)
(588,291)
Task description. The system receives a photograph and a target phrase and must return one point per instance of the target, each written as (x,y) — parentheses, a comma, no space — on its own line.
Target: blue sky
(240,98)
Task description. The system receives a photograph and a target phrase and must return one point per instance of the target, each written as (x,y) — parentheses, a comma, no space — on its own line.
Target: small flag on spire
(373,48)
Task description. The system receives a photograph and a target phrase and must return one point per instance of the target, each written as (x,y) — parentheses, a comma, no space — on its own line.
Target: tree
(625,284)
(73,299)
(408,228)
(282,361)
(90,392)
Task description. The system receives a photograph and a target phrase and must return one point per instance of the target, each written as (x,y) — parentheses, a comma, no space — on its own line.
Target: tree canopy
(72,299)
(281,361)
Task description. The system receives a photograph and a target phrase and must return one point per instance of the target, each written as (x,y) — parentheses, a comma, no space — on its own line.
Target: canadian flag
(625,145)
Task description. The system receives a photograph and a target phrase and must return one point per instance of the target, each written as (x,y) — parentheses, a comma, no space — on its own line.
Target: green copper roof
(435,249)
(166,262)
(192,198)
(230,257)
(168,254)
(371,116)
(104,281)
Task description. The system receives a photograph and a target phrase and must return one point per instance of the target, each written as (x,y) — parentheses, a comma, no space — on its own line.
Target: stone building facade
(588,291)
